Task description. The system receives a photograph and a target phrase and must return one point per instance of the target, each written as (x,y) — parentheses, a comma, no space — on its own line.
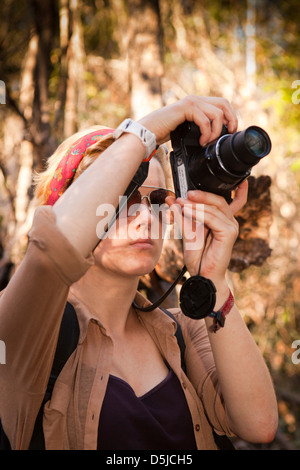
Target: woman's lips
(142,243)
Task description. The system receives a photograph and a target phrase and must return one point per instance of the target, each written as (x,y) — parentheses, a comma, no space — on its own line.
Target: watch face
(197,297)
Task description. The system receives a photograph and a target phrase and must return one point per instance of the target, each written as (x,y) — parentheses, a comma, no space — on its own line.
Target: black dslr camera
(220,166)
(217,168)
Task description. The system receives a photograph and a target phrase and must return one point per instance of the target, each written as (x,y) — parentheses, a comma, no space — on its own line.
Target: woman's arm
(108,177)
(31,307)
(244,379)
(246,385)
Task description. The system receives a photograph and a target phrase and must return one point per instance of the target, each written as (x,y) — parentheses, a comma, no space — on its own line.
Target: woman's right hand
(209,113)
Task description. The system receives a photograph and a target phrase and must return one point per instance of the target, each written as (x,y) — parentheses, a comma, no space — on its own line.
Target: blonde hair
(43,180)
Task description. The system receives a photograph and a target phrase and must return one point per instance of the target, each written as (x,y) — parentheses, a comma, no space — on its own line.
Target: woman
(114,391)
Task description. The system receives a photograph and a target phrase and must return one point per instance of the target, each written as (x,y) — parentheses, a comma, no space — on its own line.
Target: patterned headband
(68,165)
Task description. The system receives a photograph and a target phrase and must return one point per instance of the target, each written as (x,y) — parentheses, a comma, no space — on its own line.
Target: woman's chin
(140,270)
(140,267)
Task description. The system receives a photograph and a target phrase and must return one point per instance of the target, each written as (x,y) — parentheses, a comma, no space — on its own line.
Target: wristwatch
(147,137)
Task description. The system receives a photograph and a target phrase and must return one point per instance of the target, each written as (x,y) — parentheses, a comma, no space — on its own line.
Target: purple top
(160,419)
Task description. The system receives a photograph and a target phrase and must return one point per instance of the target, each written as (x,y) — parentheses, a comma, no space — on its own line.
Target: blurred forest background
(68,64)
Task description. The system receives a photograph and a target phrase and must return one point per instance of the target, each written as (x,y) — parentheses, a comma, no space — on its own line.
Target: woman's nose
(145,208)
(142,207)
(144,219)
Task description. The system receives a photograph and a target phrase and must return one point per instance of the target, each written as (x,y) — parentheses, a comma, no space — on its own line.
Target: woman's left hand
(204,211)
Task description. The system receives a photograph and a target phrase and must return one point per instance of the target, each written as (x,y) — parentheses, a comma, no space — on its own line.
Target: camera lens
(242,150)
(220,166)
(256,142)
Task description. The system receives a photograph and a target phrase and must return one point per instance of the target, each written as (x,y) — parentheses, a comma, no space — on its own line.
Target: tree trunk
(17,172)
(44,16)
(145,56)
(250,46)
(76,92)
(26,147)
(64,39)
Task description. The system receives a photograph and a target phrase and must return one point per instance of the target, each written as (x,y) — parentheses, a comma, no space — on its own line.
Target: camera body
(220,166)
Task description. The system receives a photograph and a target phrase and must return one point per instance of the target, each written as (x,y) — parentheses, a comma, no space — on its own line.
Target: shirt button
(183,385)
(197,427)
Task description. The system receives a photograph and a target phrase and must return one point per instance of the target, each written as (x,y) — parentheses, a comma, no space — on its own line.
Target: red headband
(67,167)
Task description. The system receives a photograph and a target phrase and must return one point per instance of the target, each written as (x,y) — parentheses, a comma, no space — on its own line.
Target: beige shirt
(31,308)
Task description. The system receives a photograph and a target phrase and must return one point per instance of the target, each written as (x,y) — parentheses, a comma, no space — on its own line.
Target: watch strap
(147,137)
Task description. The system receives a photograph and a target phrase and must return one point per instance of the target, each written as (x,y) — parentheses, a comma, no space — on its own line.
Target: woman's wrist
(147,138)
(223,306)
(222,292)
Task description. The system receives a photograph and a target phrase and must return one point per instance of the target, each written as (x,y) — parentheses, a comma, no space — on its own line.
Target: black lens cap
(197,297)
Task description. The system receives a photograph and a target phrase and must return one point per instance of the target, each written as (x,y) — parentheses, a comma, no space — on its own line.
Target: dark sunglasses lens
(133,202)
(158,199)
(134,199)
(158,196)
(158,204)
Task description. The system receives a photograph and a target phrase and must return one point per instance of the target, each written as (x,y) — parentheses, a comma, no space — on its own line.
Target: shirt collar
(156,318)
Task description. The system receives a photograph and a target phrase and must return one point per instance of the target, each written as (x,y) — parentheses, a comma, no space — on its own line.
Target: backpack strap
(4,442)
(179,337)
(66,344)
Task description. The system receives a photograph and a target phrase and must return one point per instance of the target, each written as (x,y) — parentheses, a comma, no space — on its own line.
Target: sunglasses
(156,201)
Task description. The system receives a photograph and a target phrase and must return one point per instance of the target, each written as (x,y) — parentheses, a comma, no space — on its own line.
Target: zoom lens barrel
(241,151)
(220,166)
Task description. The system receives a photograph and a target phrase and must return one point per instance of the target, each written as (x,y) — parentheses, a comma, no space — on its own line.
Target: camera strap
(197,295)
(156,304)
(203,251)
(135,183)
